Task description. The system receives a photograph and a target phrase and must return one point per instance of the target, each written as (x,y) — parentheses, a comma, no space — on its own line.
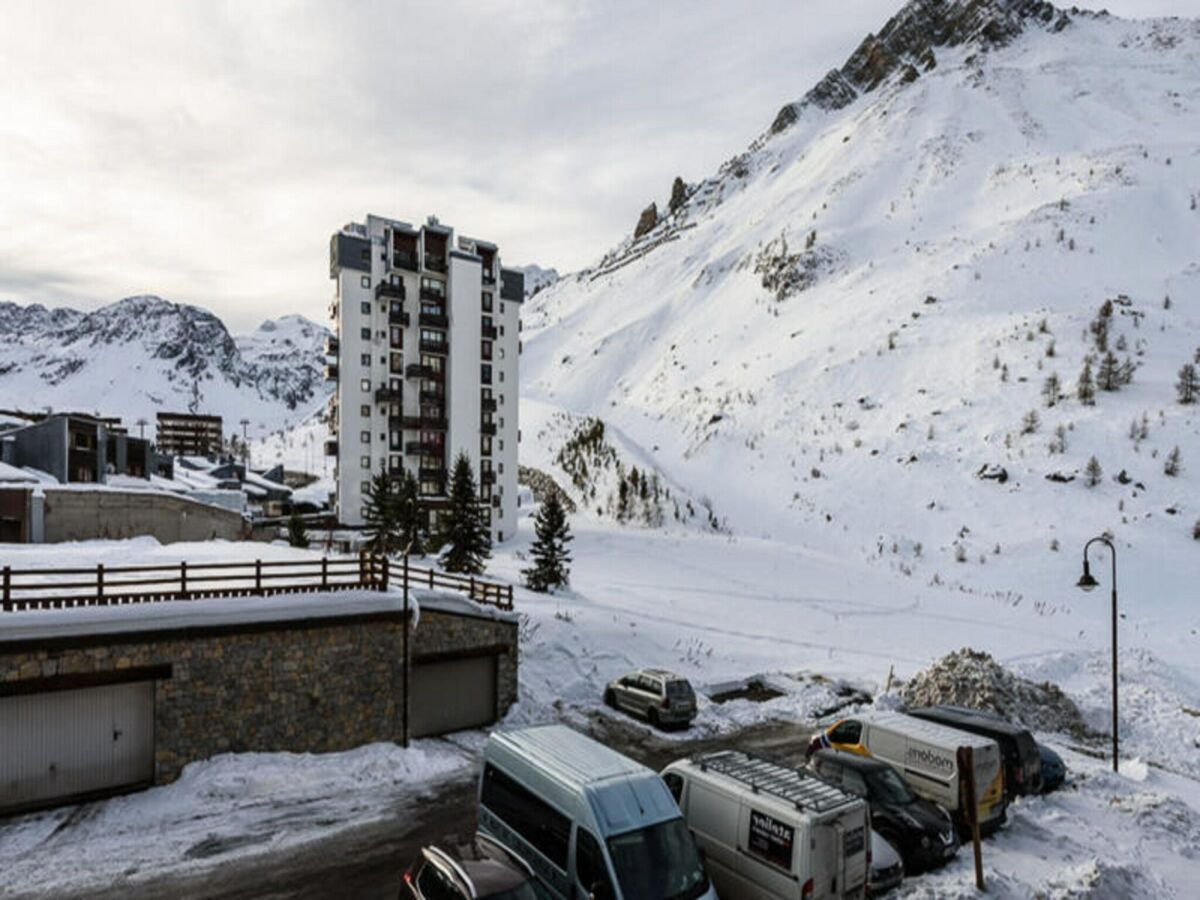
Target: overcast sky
(206,151)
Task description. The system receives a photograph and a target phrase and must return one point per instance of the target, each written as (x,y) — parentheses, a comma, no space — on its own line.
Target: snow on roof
(265,483)
(178,614)
(446,601)
(14,474)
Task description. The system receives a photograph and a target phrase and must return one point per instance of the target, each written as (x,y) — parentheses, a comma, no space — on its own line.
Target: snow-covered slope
(145,354)
(834,334)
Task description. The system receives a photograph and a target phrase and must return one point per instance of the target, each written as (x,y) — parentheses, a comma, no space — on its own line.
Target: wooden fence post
(183,588)
(966,774)
(258,576)
(362,569)
(324,572)
(384,565)
(471,588)
(510,596)
(431,579)
(8,589)
(100,583)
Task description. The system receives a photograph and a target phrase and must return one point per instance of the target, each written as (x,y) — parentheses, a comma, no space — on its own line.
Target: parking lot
(368,862)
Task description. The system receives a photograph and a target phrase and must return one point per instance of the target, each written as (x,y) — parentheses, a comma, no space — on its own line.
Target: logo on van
(771,839)
(929,759)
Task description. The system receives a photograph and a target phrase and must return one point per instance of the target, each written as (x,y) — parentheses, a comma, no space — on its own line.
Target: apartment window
(365,334)
(501,376)
(365,253)
(434,363)
(397,441)
(430,488)
(365,462)
(485,349)
(485,465)
(366,307)
(487,302)
(429,336)
(502,421)
(501,445)
(433,286)
(501,352)
(499,536)
(366,359)
(501,468)
(364,486)
(396,463)
(396,337)
(365,281)
(485,373)
(501,307)
(485,445)
(501,331)
(397,364)
(365,384)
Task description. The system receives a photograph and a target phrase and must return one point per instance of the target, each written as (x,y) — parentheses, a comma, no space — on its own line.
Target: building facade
(77,448)
(426,363)
(187,434)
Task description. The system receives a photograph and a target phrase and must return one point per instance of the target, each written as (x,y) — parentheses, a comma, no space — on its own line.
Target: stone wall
(79,515)
(312,685)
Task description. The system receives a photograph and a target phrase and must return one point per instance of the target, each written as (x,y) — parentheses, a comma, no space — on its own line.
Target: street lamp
(1087,582)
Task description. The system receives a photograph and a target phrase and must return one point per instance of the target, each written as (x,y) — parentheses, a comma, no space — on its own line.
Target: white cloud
(205,152)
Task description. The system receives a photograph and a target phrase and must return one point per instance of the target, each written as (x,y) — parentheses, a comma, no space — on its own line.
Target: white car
(887,869)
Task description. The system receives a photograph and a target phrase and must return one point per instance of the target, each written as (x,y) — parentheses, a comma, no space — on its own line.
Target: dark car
(1018,749)
(484,868)
(1054,770)
(662,698)
(920,830)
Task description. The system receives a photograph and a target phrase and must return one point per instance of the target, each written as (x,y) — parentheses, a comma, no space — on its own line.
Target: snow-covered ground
(720,609)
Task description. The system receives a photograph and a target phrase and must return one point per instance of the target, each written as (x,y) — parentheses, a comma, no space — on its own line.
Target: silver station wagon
(662,698)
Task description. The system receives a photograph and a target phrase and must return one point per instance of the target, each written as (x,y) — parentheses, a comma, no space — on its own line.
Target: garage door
(451,696)
(64,744)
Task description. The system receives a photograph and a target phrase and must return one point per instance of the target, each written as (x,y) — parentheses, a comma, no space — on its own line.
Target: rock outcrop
(646,221)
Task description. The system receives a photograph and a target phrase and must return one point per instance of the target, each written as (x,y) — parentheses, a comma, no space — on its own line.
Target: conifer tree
(1108,376)
(1171,466)
(410,518)
(297,536)
(379,513)
(551,557)
(1094,472)
(1085,390)
(1188,387)
(465,537)
(1051,389)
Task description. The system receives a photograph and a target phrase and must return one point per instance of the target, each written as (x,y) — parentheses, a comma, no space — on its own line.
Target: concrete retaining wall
(78,515)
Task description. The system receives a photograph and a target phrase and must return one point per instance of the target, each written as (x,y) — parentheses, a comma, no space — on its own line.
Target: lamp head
(1086,581)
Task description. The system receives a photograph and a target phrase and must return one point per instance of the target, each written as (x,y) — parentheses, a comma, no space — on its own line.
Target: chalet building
(425,359)
(76,448)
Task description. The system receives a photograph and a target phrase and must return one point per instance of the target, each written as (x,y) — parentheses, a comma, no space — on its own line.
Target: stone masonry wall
(313,686)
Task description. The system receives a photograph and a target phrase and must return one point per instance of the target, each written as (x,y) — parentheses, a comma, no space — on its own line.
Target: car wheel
(610,699)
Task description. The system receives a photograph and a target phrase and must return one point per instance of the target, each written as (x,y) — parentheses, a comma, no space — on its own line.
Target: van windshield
(888,787)
(658,863)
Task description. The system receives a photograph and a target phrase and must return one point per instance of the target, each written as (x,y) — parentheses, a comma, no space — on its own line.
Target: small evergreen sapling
(1108,376)
(1085,389)
(1093,472)
(1051,389)
(465,538)
(297,537)
(1171,466)
(1188,386)
(551,557)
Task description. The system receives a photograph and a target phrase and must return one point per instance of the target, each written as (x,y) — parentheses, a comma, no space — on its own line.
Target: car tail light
(806,892)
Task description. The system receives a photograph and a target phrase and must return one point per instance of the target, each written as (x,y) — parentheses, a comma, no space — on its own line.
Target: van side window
(548,830)
(854,782)
(589,866)
(674,785)
(847,732)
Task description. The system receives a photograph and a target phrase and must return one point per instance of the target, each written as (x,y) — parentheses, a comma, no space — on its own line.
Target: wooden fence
(23,589)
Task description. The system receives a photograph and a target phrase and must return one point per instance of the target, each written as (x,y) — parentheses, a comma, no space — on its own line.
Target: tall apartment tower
(425,359)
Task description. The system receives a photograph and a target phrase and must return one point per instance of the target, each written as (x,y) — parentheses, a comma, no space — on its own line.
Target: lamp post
(1088,583)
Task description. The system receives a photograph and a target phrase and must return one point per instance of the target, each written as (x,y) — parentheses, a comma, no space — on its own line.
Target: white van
(591,822)
(770,832)
(925,754)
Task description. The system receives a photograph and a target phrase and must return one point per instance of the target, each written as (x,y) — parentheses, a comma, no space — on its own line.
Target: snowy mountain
(537,278)
(144,354)
(866,332)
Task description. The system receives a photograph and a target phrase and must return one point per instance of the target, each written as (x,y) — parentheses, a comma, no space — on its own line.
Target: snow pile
(973,679)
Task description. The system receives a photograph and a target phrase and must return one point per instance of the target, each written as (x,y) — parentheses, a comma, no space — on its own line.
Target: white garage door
(65,744)
(454,695)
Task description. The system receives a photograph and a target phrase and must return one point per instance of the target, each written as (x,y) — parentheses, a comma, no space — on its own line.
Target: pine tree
(551,558)
(410,518)
(297,536)
(1094,472)
(1030,423)
(1085,390)
(1051,389)
(1188,387)
(1171,466)
(1108,376)
(465,537)
(379,514)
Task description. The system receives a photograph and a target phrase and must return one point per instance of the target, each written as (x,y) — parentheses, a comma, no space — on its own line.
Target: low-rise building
(189,434)
(75,448)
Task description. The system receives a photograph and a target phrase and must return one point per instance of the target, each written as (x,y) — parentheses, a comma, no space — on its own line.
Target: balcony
(404,260)
(436,397)
(433,320)
(416,370)
(331,345)
(387,395)
(390,291)
(423,448)
(428,346)
(489,275)
(496,502)
(488,331)
(431,473)
(437,296)
(331,372)
(488,477)
(435,262)
(488,404)
(487,428)
(398,317)
(433,423)
(331,448)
